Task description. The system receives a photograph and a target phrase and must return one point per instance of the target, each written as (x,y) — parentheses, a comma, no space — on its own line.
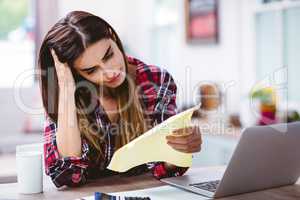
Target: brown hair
(69,38)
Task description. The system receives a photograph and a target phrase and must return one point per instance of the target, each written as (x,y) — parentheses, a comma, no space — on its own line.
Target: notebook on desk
(157,193)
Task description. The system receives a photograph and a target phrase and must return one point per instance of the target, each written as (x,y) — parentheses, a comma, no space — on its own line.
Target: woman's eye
(90,71)
(109,56)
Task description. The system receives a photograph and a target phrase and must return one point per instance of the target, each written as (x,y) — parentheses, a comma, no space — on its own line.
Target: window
(16,40)
(164,30)
(291,51)
(278,43)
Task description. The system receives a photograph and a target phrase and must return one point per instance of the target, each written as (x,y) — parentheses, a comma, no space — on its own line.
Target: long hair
(69,38)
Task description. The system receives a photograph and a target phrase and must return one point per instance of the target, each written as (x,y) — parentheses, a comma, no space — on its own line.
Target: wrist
(169,166)
(67,88)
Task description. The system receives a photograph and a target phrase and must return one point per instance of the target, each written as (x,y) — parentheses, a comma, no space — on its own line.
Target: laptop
(265,157)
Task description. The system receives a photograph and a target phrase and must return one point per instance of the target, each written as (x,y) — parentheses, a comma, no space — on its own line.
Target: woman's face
(102,63)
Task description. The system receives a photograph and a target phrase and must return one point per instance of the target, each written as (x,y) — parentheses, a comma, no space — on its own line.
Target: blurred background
(239,58)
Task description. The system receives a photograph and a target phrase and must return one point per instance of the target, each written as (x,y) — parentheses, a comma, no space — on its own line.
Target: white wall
(227,61)
(112,11)
(131,19)
(219,62)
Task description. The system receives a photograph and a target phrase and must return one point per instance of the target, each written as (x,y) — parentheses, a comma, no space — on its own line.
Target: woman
(97,99)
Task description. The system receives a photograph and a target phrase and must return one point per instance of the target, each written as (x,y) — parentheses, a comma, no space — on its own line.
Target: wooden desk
(117,184)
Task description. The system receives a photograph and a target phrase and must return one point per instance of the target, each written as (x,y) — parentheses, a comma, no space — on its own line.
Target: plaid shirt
(158,92)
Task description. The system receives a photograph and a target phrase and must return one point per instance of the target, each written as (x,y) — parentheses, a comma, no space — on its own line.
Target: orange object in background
(210,97)
(268,114)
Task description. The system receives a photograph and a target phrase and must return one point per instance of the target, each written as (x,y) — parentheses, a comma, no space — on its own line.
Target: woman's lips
(114,78)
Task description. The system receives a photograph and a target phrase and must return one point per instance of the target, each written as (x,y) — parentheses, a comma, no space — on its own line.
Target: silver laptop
(265,157)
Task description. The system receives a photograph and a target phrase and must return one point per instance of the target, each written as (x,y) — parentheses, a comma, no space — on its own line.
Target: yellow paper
(152,146)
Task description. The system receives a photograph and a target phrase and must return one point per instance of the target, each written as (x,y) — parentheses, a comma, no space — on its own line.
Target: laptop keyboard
(209,186)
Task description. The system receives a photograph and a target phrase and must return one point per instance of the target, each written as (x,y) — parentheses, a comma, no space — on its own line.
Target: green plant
(265,95)
(12,14)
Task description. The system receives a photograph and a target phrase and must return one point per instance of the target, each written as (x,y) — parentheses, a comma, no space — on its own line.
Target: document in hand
(152,146)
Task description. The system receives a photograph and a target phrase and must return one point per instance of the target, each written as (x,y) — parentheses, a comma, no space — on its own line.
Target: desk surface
(118,184)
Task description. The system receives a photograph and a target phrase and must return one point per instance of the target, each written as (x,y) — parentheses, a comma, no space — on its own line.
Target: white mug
(29,171)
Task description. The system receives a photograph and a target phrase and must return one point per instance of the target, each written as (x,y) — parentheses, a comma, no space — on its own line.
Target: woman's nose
(109,74)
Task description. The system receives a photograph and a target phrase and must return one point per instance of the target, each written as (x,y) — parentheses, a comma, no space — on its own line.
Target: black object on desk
(104,196)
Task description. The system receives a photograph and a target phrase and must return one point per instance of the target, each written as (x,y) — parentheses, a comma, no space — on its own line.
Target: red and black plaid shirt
(159,98)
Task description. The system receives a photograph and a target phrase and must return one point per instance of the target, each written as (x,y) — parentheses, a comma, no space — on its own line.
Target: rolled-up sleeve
(69,171)
(165,107)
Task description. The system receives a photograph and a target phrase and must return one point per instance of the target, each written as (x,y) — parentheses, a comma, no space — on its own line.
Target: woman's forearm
(68,135)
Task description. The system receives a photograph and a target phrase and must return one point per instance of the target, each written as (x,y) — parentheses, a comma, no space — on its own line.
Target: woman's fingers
(183,135)
(57,63)
(180,139)
(187,136)
(183,131)
(186,149)
(64,74)
(54,56)
(195,142)
(186,140)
